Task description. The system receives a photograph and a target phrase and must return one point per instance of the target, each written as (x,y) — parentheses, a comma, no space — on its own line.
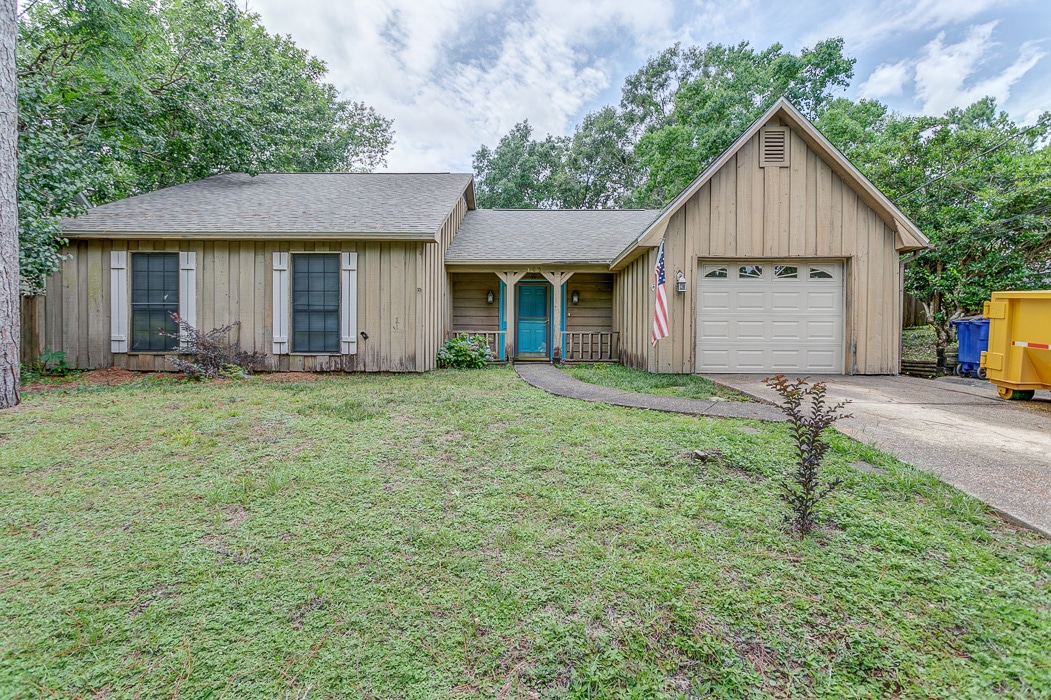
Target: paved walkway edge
(554,381)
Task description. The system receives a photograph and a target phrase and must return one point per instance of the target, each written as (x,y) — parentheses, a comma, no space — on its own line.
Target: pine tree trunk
(10,316)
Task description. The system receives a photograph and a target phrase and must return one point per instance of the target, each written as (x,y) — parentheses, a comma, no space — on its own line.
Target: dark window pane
(154,298)
(315,303)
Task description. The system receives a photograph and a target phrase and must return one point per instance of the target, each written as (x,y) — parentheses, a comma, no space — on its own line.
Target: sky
(455,74)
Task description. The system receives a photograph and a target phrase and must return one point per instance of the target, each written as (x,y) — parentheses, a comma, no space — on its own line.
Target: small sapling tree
(809,413)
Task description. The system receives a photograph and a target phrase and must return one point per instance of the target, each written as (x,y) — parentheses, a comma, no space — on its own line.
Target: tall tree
(978,185)
(120,97)
(677,113)
(690,104)
(9,297)
(520,173)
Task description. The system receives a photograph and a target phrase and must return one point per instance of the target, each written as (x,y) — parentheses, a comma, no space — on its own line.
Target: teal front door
(532,320)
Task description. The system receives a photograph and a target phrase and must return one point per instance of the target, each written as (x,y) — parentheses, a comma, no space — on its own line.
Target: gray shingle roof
(327,203)
(547,235)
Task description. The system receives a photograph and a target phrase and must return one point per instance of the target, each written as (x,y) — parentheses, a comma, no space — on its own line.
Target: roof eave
(251,235)
(510,262)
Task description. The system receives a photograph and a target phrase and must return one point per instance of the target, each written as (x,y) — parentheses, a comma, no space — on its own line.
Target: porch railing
(591,346)
(494,339)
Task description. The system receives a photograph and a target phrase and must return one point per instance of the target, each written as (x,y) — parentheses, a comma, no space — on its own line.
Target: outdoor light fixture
(490,297)
(680,280)
(575,297)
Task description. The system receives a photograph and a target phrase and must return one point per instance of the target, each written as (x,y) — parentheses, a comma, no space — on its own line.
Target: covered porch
(541,315)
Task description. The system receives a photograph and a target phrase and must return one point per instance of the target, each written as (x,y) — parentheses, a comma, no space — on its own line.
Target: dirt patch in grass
(108,376)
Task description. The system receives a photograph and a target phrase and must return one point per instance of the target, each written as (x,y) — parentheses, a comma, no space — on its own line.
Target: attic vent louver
(773,147)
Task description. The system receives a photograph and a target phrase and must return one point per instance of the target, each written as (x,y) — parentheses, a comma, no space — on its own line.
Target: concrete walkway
(554,381)
(958,429)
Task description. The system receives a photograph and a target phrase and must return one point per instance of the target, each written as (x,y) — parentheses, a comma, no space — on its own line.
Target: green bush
(465,352)
(50,363)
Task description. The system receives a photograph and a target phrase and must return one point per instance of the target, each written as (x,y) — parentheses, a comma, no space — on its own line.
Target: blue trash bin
(972,333)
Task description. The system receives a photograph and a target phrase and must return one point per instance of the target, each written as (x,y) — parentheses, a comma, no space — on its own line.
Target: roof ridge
(565,210)
(333,172)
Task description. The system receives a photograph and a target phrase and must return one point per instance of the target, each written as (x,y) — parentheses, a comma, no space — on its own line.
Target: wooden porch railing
(591,346)
(494,339)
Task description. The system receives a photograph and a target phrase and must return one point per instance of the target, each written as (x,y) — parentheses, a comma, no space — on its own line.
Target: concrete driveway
(958,429)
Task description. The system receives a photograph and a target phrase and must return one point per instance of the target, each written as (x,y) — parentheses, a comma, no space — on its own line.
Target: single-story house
(780,257)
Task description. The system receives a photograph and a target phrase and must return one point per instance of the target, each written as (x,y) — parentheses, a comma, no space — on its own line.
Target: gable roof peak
(911,236)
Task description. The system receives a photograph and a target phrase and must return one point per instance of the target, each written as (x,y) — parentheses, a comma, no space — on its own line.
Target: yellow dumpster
(1018,360)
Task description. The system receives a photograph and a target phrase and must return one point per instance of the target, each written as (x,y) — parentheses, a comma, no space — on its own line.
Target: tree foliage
(676,114)
(120,98)
(977,184)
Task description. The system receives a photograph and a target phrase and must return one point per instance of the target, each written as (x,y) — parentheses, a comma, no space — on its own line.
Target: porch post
(557,279)
(510,279)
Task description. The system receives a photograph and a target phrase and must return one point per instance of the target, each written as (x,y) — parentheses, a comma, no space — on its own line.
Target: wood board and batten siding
(633,318)
(471,310)
(402,300)
(594,311)
(746,212)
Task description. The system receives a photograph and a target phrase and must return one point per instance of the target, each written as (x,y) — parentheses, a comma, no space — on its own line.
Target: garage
(770,316)
(780,257)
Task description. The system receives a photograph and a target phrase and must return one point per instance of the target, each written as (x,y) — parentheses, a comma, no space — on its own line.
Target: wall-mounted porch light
(490,297)
(680,281)
(575,297)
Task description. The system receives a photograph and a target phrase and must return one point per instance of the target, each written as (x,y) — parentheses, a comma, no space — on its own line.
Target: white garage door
(770,316)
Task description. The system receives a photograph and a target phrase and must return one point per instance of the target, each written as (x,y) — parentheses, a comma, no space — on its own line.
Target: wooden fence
(912,312)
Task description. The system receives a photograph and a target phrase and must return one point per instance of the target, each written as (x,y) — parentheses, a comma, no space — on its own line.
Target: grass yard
(690,386)
(463,535)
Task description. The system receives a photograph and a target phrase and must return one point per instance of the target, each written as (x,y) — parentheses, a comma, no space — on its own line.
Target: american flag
(660,310)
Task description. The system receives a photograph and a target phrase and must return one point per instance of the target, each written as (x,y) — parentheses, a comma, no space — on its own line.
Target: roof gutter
(249,236)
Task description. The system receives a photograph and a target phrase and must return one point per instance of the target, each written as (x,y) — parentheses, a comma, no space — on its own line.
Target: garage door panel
(786,301)
(750,330)
(716,330)
(750,360)
(822,302)
(770,322)
(821,330)
(821,361)
(715,360)
(787,330)
(783,360)
(715,302)
(750,301)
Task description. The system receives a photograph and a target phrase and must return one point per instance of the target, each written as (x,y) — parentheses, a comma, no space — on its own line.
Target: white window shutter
(348,305)
(118,301)
(281,301)
(188,289)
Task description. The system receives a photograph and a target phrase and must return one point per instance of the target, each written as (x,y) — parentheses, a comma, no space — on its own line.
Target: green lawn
(690,386)
(463,535)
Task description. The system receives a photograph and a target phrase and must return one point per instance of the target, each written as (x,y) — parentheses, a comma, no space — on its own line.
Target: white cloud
(943,70)
(454,74)
(867,23)
(457,73)
(888,80)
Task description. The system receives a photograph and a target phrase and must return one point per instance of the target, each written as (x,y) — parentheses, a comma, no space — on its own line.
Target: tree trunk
(9,300)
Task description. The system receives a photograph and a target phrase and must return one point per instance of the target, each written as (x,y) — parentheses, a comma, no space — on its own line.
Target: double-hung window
(315,303)
(154,298)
